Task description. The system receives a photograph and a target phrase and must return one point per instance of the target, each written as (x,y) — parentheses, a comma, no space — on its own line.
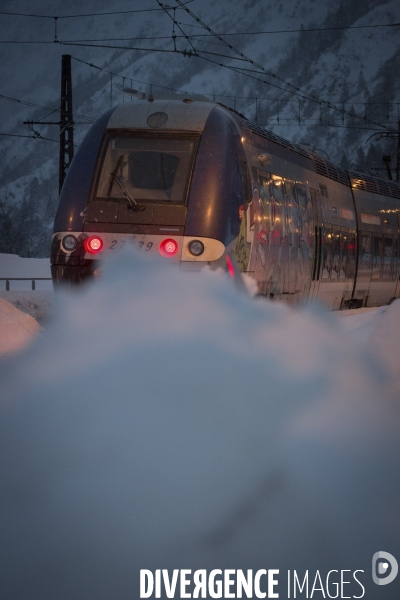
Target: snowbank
(12,265)
(16,328)
(163,421)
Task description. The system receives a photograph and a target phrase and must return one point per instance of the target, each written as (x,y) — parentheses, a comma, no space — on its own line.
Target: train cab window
(336,259)
(377,257)
(387,271)
(326,256)
(151,169)
(365,258)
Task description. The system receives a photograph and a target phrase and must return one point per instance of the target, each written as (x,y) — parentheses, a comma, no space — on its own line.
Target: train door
(316,259)
(375,289)
(326,254)
(263,262)
(277,241)
(389,268)
(306,239)
(396,268)
(364,269)
(293,224)
(351,264)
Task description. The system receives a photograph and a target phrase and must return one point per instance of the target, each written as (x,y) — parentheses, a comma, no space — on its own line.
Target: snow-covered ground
(162,420)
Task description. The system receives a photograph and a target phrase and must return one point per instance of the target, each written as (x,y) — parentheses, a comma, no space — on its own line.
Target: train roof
(176,111)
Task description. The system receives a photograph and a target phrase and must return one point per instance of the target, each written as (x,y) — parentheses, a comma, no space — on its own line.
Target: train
(198,183)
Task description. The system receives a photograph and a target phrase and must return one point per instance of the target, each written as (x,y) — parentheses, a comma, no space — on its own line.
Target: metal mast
(66,120)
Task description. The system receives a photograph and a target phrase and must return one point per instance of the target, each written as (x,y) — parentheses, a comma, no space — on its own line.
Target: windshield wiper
(132,203)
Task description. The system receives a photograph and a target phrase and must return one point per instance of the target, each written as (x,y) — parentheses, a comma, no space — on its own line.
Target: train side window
(290,189)
(344,254)
(395,258)
(265,195)
(277,189)
(326,250)
(351,254)
(302,195)
(387,271)
(365,259)
(377,257)
(323,190)
(335,270)
(246,182)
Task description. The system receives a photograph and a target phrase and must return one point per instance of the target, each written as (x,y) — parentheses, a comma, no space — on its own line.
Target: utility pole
(66,121)
(386,161)
(398,154)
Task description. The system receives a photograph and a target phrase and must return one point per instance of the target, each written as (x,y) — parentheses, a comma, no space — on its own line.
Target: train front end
(165,175)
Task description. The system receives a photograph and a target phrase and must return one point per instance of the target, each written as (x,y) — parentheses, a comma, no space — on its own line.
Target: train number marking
(140,245)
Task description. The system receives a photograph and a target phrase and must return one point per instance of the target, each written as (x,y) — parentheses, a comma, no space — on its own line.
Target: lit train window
(154,169)
(336,260)
(326,254)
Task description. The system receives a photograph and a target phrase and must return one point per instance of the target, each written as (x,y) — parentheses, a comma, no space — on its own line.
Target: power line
(18,135)
(387,105)
(119,12)
(33,105)
(197,35)
(293,88)
(115,12)
(37,136)
(123,77)
(295,30)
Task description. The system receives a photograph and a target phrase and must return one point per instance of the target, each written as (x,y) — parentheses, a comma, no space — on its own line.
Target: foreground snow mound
(163,421)
(16,328)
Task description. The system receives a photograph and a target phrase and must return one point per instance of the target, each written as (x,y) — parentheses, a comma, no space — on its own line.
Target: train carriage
(195,181)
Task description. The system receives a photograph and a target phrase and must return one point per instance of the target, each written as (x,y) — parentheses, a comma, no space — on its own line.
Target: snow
(16,328)
(163,420)
(14,266)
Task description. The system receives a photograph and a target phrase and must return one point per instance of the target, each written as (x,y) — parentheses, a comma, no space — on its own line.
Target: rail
(33,279)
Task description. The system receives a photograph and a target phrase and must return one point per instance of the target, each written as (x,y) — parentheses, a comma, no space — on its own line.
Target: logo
(385,564)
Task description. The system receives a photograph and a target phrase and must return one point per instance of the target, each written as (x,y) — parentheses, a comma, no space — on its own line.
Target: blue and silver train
(197,182)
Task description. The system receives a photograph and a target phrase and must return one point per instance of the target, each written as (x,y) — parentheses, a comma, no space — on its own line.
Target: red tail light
(93,244)
(231,268)
(168,247)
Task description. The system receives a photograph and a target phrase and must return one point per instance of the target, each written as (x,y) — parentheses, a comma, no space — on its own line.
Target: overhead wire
(291,88)
(115,12)
(33,105)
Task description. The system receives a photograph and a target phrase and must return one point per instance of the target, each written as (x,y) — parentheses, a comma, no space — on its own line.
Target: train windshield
(153,169)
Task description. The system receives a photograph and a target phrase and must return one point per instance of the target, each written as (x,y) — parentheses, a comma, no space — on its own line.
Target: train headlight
(196,247)
(169,247)
(69,242)
(93,244)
